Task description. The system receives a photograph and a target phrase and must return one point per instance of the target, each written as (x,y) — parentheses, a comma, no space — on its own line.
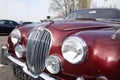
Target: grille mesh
(38,45)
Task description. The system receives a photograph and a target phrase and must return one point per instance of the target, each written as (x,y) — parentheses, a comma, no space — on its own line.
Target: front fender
(103,52)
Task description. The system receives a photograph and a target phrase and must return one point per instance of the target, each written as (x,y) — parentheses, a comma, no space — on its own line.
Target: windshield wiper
(116,20)
(93,19)
(108,20)
(100,19)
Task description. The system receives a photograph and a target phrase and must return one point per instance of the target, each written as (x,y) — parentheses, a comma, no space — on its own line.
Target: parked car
(25,23)
(6,26)
(84,46)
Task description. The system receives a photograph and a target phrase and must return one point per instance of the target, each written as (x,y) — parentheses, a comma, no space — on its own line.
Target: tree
(63,7)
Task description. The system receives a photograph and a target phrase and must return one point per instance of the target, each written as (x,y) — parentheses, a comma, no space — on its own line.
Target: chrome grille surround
(38,46)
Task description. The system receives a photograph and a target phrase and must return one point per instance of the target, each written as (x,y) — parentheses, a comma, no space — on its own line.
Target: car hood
(71,25)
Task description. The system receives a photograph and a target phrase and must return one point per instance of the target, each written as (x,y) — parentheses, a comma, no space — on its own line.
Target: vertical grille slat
(38,46)
(40,36)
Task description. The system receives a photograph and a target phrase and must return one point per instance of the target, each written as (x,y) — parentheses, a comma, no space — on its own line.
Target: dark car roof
(100,9)
(114,10)
(112,13)
(6,20)
(9,20)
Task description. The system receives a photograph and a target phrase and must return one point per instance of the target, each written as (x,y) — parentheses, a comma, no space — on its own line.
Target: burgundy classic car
(83,46)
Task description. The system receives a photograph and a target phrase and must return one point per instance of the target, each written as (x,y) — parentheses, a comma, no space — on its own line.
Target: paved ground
(5,71)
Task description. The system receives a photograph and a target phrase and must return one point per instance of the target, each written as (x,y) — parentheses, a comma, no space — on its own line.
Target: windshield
(95,13)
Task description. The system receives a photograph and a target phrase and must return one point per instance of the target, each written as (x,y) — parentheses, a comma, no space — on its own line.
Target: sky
(106,3)
(35,10)
(26,10)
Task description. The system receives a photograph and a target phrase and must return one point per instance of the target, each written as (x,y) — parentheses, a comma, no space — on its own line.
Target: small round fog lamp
(102,78)
(53,64)
(19,51)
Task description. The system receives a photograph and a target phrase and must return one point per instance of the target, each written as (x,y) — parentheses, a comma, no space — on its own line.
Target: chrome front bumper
(11,60)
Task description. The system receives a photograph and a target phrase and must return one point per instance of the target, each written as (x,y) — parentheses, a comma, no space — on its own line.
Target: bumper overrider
(10,60)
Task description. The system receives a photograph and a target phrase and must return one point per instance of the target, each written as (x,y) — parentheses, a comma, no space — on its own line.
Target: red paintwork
(103,52)
(63,25)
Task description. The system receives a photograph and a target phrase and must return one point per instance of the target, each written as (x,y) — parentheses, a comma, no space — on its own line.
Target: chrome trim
(57,59)
(102,77)
(16,36)
(23,66)
(84,45)
(3,54)
(38,46)
(89,27)
(22,50)
(80,78)
(114,36)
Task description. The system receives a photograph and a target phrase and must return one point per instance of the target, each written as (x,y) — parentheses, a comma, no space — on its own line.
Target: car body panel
(76,24)
(102,59)
(101,37)
(103,52)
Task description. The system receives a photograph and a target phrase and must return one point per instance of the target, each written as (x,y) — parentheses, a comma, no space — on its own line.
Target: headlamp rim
(19,38)
(57,58)
(84,46)
(18,45)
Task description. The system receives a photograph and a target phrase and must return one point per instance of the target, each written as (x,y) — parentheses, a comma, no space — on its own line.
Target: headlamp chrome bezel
(19,50)
(15,36)
(75,41)
(56,59)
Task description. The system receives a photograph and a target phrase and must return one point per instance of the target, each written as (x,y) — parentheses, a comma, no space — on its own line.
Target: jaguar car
(83,46)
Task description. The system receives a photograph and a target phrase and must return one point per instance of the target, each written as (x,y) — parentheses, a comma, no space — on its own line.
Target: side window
(15,23)
(2,22)
(11,23)
(7,23)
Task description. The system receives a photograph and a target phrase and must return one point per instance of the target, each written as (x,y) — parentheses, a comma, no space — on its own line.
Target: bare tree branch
(64,7)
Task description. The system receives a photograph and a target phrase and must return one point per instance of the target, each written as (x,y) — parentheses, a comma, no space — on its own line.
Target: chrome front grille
(38,46)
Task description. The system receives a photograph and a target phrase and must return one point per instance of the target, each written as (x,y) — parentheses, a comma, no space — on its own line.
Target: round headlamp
(53,64)
(15,36)
(74,50)
(19,51)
